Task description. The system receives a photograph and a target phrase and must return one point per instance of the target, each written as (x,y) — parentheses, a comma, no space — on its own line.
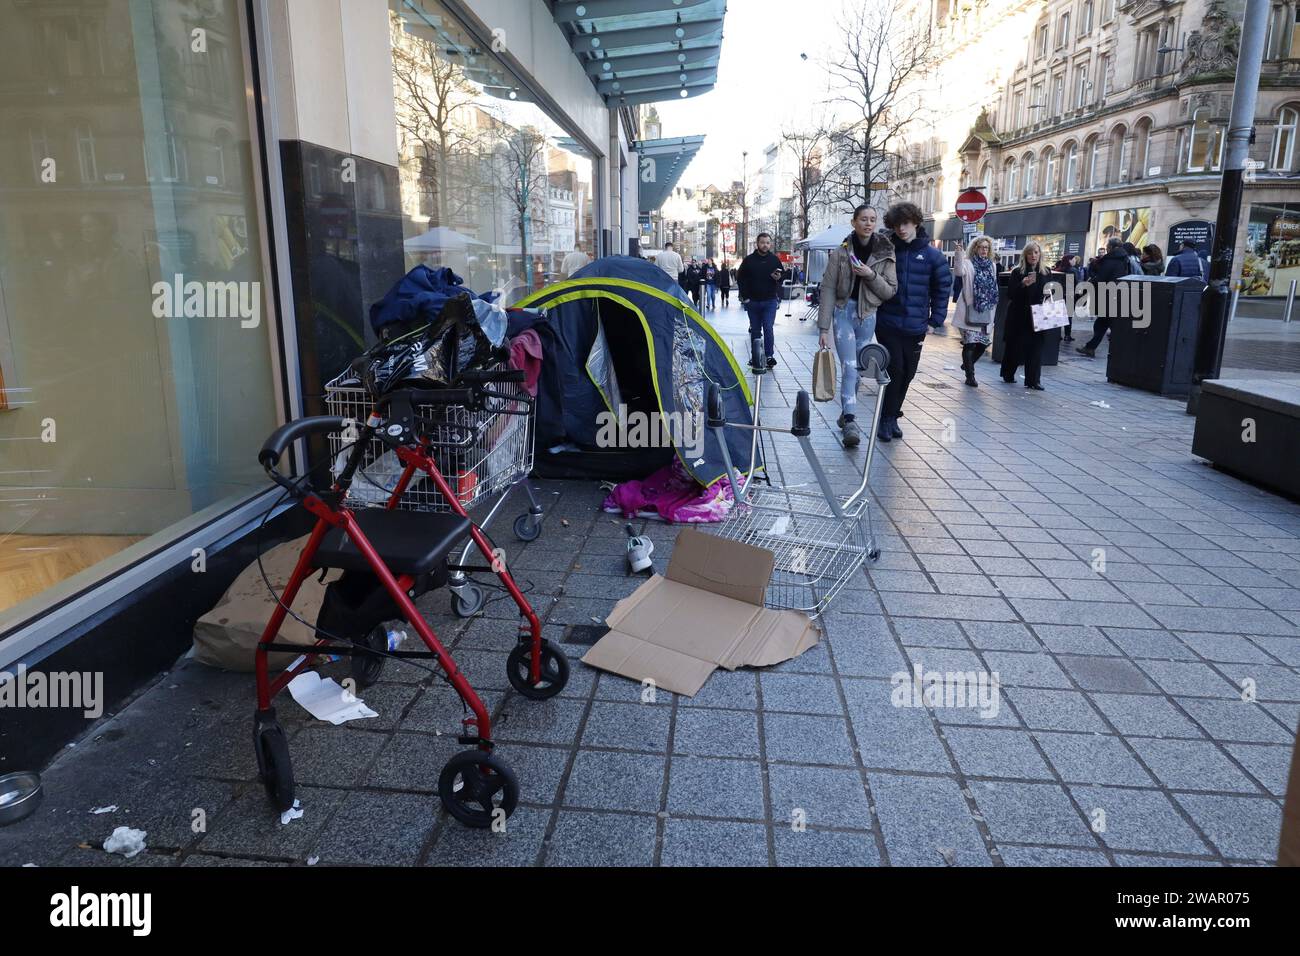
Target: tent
(626,351)
(818,246)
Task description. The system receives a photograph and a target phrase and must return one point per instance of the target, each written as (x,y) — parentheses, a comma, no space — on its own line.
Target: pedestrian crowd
(894,285)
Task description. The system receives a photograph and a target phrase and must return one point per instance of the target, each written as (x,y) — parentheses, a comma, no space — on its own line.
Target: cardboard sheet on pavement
(705,612)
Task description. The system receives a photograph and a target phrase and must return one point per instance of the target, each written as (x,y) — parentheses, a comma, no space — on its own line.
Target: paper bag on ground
(227,635)
(705,612)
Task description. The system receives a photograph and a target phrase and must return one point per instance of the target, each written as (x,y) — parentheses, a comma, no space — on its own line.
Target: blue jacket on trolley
(924,283)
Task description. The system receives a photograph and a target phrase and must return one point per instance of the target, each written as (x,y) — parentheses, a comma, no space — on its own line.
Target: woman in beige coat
(860,274)
(973,316)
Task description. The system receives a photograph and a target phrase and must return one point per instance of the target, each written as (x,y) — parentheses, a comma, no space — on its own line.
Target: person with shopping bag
(860,275)
(976,303)
(1021,344)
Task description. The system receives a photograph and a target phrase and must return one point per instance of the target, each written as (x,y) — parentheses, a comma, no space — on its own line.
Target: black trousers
(726,294)
(1100,326)
(904,357)
(1024,348)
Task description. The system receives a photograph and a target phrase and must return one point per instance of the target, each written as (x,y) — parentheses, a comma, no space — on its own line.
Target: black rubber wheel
(366,668)
(273,764)
(528,527)
(468,602)
(474,785)
(555,671)
(874,554)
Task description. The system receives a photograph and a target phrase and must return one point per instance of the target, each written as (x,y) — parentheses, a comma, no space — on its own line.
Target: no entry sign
(971,206)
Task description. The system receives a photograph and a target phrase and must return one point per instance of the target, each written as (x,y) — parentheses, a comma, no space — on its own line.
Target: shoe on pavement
(1036,387)
(1084,350)
(894,430)
(771,361)
(970,378)
(852,434)
(885,432)
(639,549)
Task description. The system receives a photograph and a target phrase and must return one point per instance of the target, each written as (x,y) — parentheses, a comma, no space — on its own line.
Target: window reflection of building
(490,185)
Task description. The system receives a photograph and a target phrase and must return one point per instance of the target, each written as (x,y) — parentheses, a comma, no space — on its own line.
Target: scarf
(986,284)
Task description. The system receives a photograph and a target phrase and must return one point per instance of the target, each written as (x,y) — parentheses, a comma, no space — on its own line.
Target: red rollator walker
(389,557)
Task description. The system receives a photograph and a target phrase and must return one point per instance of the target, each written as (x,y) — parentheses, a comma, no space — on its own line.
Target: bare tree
(522,176)
(810,149)
(432,92)
(887,46)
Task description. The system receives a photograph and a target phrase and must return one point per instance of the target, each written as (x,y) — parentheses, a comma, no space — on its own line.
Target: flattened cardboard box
(706,612)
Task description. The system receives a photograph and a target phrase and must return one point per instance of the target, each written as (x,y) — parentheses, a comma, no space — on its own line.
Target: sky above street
(763,85)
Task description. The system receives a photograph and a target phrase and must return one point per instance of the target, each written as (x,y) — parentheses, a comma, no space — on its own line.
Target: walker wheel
(555,670)
(273,764)
(527,528)
(468,602)
(874,554)
(475,785)
(366,667)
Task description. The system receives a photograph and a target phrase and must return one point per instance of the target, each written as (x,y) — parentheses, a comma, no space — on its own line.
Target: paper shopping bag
(1051,314)
(823,375)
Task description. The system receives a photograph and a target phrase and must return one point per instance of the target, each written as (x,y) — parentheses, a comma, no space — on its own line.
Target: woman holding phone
(1022,345)
(860,274)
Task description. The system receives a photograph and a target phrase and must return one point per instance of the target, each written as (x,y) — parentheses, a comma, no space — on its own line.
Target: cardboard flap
(773,637)
(640,660)
(721,566)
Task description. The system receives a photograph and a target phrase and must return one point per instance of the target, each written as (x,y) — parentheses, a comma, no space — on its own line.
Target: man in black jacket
(759,279)
(1111,267)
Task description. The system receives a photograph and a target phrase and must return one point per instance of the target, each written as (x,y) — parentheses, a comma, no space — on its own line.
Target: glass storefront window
(135,355)
(1272,256)
(491,186)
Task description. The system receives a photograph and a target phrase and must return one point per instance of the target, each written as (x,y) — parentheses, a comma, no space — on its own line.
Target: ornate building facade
(1086,118)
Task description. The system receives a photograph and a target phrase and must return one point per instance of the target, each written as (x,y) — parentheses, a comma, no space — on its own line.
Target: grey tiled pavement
(1122,736)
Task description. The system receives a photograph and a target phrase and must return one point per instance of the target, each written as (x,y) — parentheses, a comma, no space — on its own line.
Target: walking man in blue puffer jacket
(924,284)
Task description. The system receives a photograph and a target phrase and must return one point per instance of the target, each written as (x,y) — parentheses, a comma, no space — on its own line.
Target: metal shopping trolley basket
(819,539)
(483,452)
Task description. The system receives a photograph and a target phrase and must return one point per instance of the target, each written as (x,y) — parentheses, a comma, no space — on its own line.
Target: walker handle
(288,433)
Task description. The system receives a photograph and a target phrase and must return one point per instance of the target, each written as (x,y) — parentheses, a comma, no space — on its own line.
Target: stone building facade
(1086,118)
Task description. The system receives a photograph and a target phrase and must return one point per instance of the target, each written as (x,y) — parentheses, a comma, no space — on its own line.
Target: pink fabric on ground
(673,495)
(526,354)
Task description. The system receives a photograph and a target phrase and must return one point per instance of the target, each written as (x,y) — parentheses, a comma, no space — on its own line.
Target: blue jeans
(712,290)
(762,321)
(851,333)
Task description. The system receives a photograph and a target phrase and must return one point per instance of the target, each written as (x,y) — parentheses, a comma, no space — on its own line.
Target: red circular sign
(971,206)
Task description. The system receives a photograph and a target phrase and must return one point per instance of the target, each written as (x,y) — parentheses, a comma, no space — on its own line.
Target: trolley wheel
(474,785)
(468,602)
(367,667)
(273,764)
(527,528)
(555,670)
(874,554)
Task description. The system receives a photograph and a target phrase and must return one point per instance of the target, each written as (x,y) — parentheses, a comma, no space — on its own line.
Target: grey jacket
(837,280)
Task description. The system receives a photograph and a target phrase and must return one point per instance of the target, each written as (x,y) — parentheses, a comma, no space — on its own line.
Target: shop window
(1206,143)
(1284,139)
(134,414)
(491,185)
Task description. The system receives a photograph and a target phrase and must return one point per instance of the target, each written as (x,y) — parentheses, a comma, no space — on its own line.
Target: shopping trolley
(484,452)
(819,540)
(389,557)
